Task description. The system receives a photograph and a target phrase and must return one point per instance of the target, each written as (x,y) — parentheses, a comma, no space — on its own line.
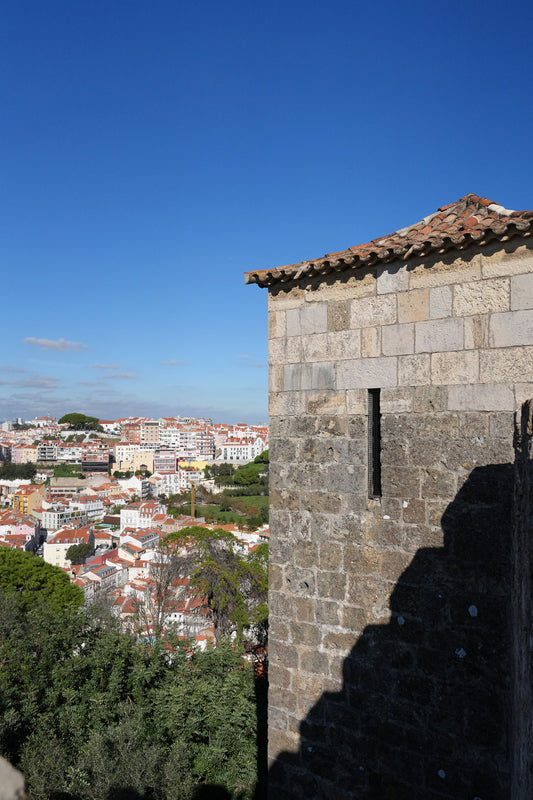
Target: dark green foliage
(31,581)
(233,585)
(80,422)
(89,713)
(77,553)
(11,472)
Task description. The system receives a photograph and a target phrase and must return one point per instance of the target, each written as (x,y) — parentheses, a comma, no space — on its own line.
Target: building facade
(395,371)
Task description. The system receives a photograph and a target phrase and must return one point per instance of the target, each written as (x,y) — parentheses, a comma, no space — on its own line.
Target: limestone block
(414,370)
(281,403)
(275,378)
(430,399)
(458,367)
(397,401)
(276,351)
(438,335)
(522,291)
(481,297)
(481,397)
(511,329)
(398,340)
(344,344)
(506,366)
(392,278)
(369,373)
(310,318)
(440,273)
(371,342)
(325,403)
(356,401)
(440,302)
(293,350)
(413,306)
(512,258)
(339,315)
(276,325)
(293,326)
(370,311)
(523,392)
(315,347)
(11,782)
(476,332)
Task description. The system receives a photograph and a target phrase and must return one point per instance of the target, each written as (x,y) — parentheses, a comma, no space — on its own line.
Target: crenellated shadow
(424,708)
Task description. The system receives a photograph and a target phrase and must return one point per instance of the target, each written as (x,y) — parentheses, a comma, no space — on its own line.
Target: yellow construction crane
(193,496)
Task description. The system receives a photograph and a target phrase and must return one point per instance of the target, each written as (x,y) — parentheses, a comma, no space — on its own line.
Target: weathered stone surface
(476,332)
(513,329)
(339,315)
(371,311)
(367,373)
(344,344)
(510,365)
(371,342)
(388,614)
(481,297)
(511,259)
(481,397)
(413,306)
(446,272)
(11,782)
(522,292)
(440,302)
(414,370)
(392,278)
(439,335)
(276,325)
(397,340)
(458,367)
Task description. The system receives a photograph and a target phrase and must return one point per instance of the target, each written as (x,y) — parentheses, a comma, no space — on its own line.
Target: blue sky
(152,151)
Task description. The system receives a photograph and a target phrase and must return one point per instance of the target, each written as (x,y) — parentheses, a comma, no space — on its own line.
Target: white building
(245,450)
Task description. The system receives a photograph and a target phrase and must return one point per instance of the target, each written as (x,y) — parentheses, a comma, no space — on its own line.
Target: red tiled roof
(472,220)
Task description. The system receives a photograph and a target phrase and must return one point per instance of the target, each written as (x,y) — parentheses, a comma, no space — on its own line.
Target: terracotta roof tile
(471,220)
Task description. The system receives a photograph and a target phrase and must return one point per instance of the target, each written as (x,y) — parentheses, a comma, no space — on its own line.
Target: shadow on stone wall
(424,708)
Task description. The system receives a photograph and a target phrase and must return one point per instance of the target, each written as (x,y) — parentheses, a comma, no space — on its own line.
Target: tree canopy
(31,580)
(11,472)
(77,553)
(234,585)
(78,422)
(90,713)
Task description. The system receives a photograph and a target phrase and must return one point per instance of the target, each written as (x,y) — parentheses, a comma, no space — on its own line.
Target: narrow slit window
(374,443)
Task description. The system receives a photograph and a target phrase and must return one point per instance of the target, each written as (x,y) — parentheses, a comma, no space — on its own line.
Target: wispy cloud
(45,383)
(244,355)
(104,366)
(54,344)
(120,376)
(259,364)
(172,362)
(13,369)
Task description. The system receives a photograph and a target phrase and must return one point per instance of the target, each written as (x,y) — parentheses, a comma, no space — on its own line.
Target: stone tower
(395,370)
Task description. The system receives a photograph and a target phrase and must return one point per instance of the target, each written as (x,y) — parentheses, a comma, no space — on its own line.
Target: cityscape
(103,494)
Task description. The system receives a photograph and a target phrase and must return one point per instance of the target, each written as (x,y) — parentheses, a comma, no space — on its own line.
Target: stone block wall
(389,639)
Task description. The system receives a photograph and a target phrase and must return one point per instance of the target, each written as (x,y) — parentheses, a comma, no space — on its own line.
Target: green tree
(78,553)
(89,712)
(31,580)
(10,471)
(78,422)
(232,585)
